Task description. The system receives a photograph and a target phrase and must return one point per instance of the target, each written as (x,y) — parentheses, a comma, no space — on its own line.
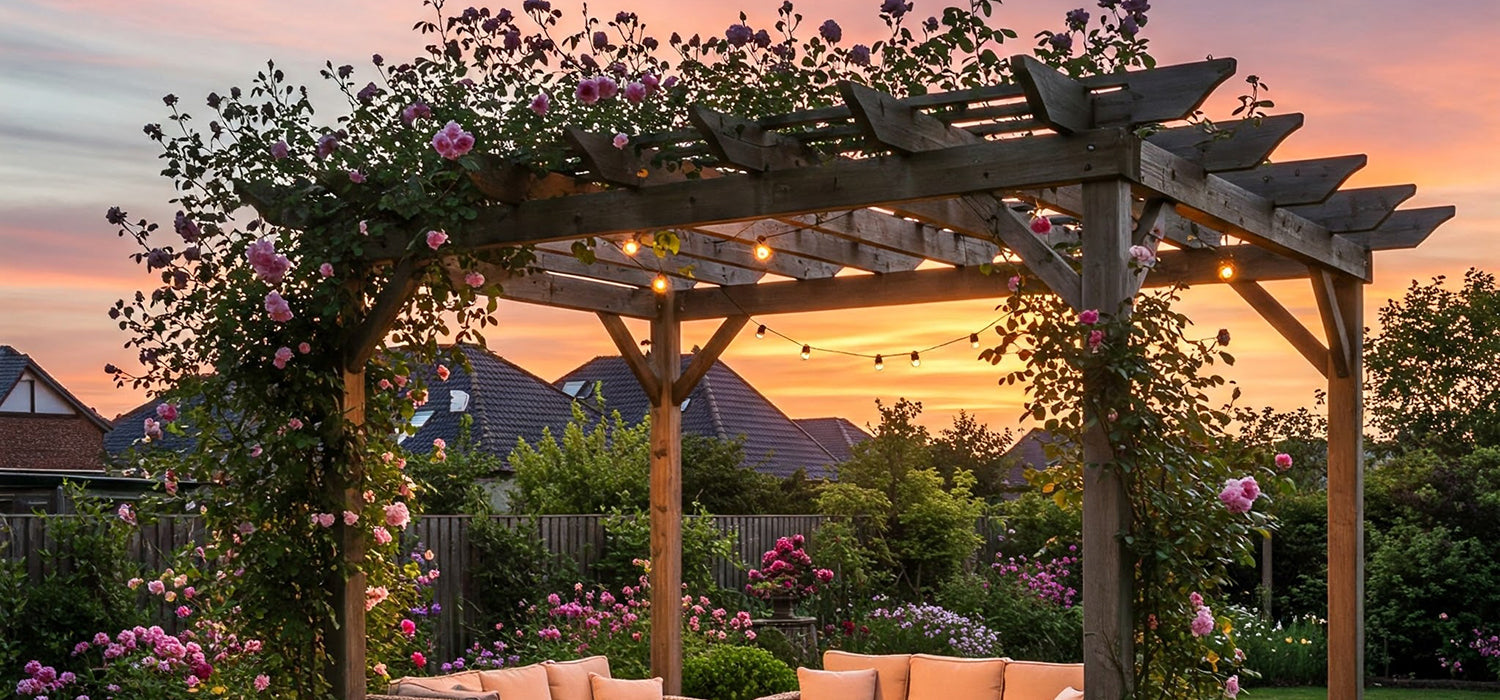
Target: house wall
(45,400)
(43,441)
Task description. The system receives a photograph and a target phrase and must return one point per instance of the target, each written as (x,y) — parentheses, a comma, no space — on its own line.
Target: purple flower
(115,216)
(738,34)
(668,82)
(859,55)
(536,6)
(452,142)
(327,145)
(1088,317)
(931,24)
(377,59)
(368,93)
(895,8)
(187,228)
(279,150)
(278,308)
(831,32)
(1061,42)
(1136,6)
(601,40)
(620,141)
(512,40)
(1013,284)
(414,111)
(635,92)
(587,92)
(762,39)
(540,104)
(607,87)
(1078,19)
(158,258)
(356,177)
(1223,339)
(1129,27)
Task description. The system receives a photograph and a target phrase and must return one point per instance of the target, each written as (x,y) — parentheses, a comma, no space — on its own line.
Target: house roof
(1030,452)
(723,405)
(14,364)
(506,403)
(837,435)
(130,427)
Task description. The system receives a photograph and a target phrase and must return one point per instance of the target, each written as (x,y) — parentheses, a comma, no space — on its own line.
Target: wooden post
(348,642)
(1108,576)
(666,498)
(1346,508)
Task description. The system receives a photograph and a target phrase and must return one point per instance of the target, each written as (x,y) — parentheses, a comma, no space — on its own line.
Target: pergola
(882,185)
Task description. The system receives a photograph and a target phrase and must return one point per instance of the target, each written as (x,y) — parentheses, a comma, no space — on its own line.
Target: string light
(974,340)
(1227,270)
(631,247)
(879,363)
(916,359)
(761,332)
(762,251)
(806,351)
(659,283)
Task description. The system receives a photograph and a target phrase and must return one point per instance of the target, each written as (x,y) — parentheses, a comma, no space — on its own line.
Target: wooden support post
(666,498)
(347,644)
(1108,575)
(1346,508)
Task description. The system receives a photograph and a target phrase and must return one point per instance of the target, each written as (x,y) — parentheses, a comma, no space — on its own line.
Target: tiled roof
(14,363)
(130,427)
(1030,452)
(506,402)
(837,435)
(723,405)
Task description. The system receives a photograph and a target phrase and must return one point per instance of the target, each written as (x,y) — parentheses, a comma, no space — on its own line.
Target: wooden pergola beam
(671,265)
(894,233)
(796,235)
(1342,335)
(704,359)
(630,351)
(566,263)
(573,293)
(1406,228)
(1284,322)
(1297,181)
(1163,94)
(1357,209)
(1233,146)
(740,253)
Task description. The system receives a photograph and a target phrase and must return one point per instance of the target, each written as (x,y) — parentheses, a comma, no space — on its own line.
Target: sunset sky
(1412,84)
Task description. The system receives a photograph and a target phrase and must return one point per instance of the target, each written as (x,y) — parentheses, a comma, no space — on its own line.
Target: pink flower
(304,348)
(408,628)
(283,355)
(1014,284)
(397,515)
(278,308)
(1249,488)
(414,111)
(152,428)
(635,92)
(1233,497)
(1142,255)
(1096,338)
(156,587)
(375,595)
(323,520)
(294,424)
(607,88)
(1088,317)
(1232,686)
(262,682)
(350,517)
(401,380)
(443,373)
(418,660)
(1284,461)
(1041,225)
(474,279)
(327,144)
(620,141)
(439,444)
(127,514)
(326,269)
(452,141)
(269,266)
(279,150)
(1203,622)
(1195,599)
(255,451)
(540,104)
(384,384)
(356,177)
(381,670)
(436,239)
(651,83)
(382,535)
(587,92)
(167,412)
(183,611)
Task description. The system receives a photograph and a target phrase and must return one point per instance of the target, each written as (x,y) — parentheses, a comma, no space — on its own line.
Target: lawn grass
(1370,693)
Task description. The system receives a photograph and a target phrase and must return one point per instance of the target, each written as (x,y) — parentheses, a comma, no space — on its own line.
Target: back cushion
(468,680)
(947,678)
(616,689)
(836,685)
(1034,680)
(519,683)
(569,680)
(891,670)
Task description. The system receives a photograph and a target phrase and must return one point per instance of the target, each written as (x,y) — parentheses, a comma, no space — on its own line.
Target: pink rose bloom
(540,104)
(327,144)
(635,92)
(283,356)
(436,239)
(474,279)
(1096,338)
(1142,255)
(269,266)
(1249,488)
(350,517)
(326,269)
(607,88)
(408,628)
(356,177)
(1233,497)
(183,611)
(1232,686)
(415,111)
(304,348)
(452,141)
(439,444)
(620,141)
(1284,461)
(262,682)
(1195,599)
(1014,284)
(418,660)
(323,520)
(279,150)
(127,514)
(443,373)
(1203,622)
(167,412)
(279,309)
(397,515)
(374,596)
(587,92)
(151,428)
(156,587)
(382,535)
(1088,317)
(380,669)
(383,384)
(1041,225)
(255,451)
(294,424)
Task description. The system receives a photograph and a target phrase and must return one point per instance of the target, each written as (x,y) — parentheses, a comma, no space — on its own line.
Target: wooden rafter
(740,253)
(704,359)
(631,352)
(1335,322)
(566,263)
(1358,209)
(1236,146)
(1298,181)
(1406,228)
(670,265)
(796,235)
(1284,322)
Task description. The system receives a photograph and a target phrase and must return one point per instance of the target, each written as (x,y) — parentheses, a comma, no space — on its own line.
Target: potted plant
(786,575)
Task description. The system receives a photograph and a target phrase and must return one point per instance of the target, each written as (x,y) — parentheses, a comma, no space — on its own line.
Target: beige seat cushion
(421,692)
(837,685)
(948,678)
(467,680)
(619,689)
(519,683)
(891,670)
(1034,680)
(569,680)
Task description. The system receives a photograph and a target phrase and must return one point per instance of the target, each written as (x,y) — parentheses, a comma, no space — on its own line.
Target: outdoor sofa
(583,679)
(847,676)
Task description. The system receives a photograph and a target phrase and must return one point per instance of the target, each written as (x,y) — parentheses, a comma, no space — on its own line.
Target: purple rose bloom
(587,92)
(1061,42)
(491,25)
(607,88)
(588,62)
(536,6)
(540,104)
(762,39)
(377,59)
(1128,26)
(346,70)
(895,8)
(356,177)
(192,254)
(415,111)
(186,228)
(931,24)
(738,35)
(831,32)
(368,93)
(601,40)
(1108,4)
(115,216)
(1078,19)
(158,258)
(1135,6)
(860,55)
(327,145)
(635,92)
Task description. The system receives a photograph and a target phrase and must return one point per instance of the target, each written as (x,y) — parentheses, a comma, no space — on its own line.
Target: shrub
(627,540)
(911,628)
(1030,623)
(522,570)
(1294,652)
(736,673)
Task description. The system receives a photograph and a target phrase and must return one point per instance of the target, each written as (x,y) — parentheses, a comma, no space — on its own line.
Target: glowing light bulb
(762,251)
(806,351)
(760,332)
(1226,270)
(631,247)
(916,360)
(879,363)
(659,284)
(974,340)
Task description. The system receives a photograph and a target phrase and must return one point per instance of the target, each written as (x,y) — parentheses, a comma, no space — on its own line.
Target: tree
(971,446)
(1434,367)
(450,477)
